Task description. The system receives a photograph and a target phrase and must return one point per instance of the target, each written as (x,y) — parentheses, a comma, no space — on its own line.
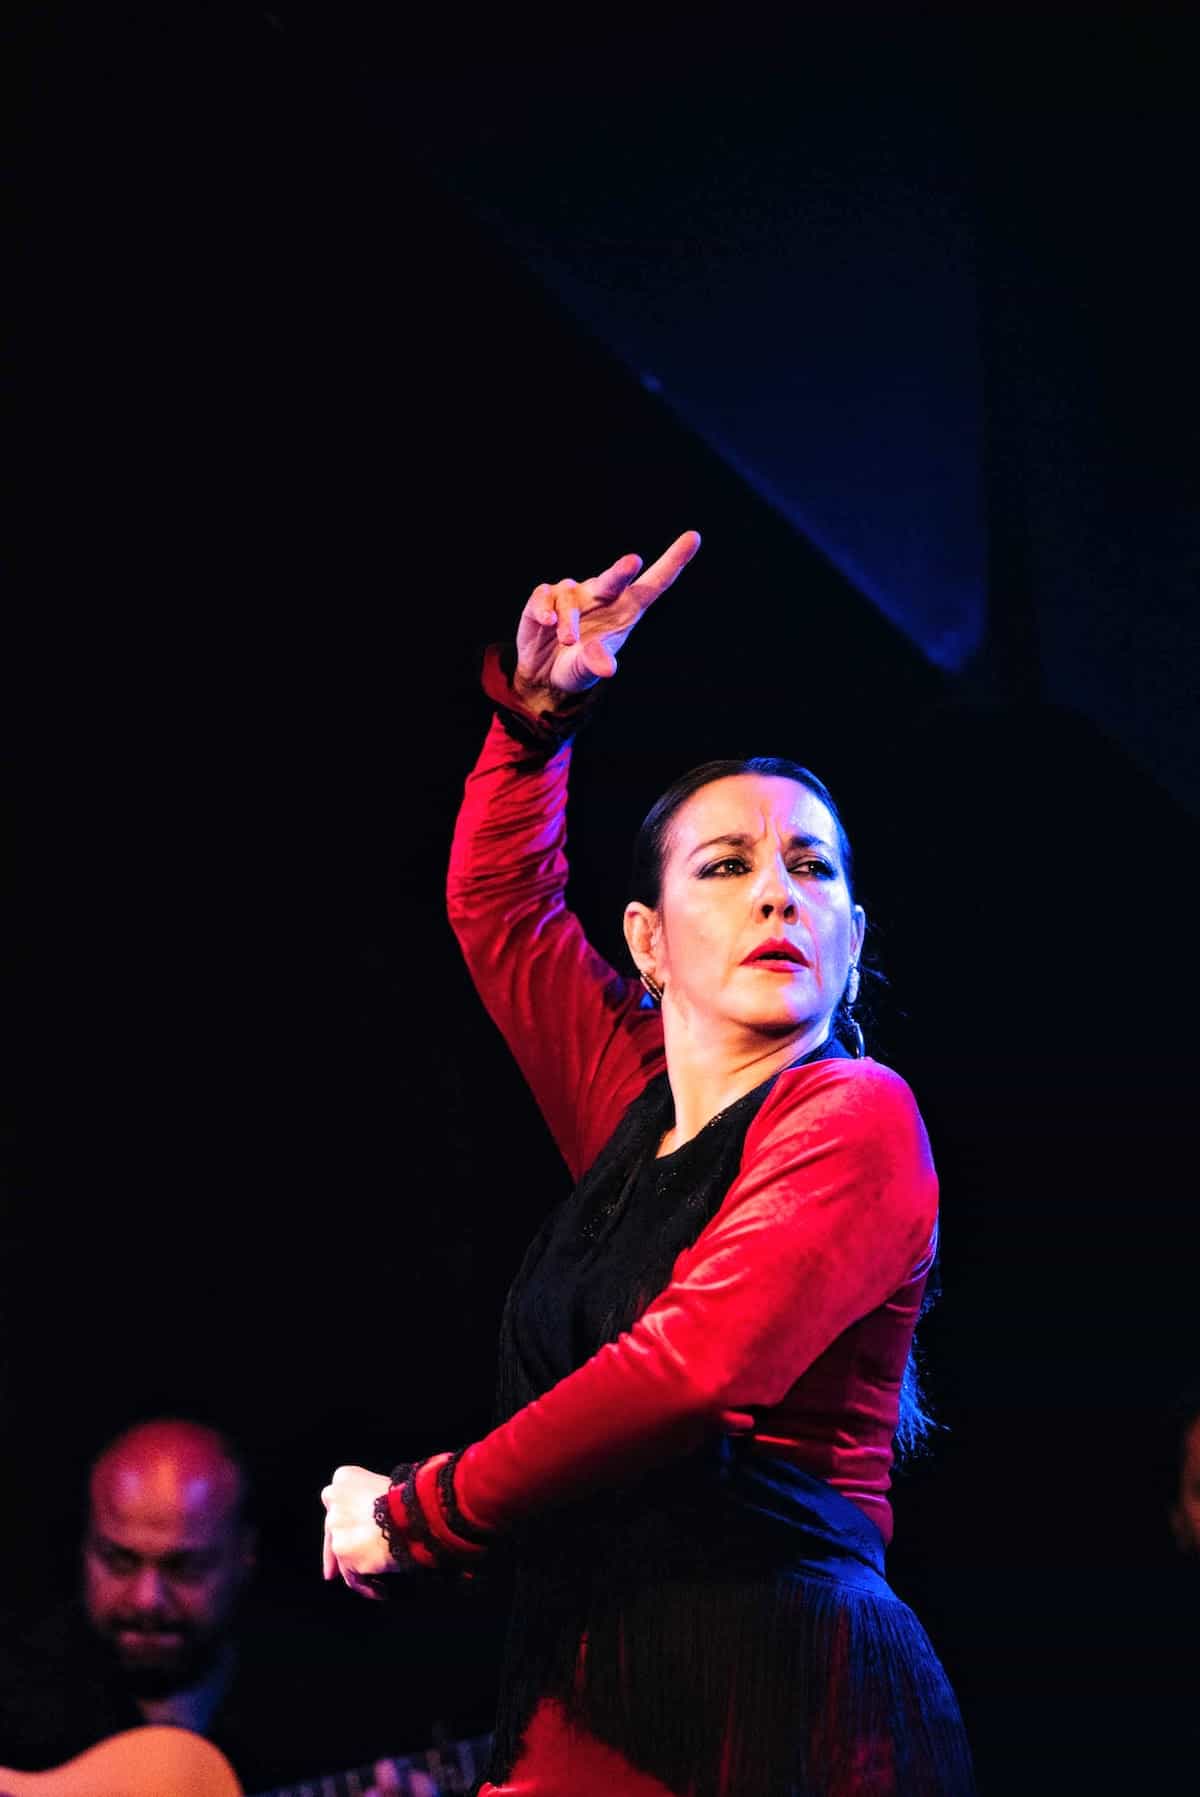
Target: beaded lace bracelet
(404,1478)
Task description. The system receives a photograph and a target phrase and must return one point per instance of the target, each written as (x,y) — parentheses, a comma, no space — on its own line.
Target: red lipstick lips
(777,950)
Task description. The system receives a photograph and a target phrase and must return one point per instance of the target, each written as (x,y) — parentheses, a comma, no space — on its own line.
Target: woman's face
(755,924)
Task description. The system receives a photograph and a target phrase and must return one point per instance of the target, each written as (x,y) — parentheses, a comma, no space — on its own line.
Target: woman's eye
(812,867)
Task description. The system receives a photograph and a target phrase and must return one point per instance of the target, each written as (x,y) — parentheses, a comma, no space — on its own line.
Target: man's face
(165,1558)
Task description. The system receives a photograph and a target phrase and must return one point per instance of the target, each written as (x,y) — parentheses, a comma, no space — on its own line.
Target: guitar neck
(453,1768)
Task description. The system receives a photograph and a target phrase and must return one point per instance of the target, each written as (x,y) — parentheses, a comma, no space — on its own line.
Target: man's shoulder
(50,1634)
(57,1693)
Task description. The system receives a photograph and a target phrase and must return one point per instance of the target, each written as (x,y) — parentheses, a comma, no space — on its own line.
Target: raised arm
(583,1035)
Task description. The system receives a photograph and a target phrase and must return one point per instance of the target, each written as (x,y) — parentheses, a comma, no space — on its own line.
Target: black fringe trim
(720,1665)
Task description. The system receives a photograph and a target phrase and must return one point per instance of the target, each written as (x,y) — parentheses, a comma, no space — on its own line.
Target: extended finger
(614,580)
(328,1557)
(666,570)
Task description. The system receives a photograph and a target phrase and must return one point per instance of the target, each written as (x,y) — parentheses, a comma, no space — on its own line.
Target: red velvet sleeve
(833,1207)
(579,1031)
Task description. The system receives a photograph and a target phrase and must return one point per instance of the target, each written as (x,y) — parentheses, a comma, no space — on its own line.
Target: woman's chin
(778,1020)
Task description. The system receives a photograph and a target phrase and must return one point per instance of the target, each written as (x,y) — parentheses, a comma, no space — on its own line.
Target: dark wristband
(416,1526)
(451,1510)
(404,1480)
(389,1528)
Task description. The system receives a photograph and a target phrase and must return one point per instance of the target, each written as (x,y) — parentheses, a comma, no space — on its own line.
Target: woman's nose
(777,894)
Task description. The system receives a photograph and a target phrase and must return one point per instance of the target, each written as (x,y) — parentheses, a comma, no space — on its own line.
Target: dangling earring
(653,988)
(849,999)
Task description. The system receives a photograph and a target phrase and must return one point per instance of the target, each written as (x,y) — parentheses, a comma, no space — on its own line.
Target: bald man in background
(160,1633)
(166,1556)
(168,1551)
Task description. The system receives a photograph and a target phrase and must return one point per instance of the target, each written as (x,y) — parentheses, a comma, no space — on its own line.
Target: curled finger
(363,1584)
(597,660)
(539,607)
(567,605)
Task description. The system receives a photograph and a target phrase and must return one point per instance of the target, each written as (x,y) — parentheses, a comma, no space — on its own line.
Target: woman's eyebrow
(741,841)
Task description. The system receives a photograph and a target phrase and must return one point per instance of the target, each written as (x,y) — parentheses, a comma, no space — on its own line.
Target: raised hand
(570,633)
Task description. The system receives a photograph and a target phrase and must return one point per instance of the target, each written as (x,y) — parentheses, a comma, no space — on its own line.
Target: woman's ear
(641,933)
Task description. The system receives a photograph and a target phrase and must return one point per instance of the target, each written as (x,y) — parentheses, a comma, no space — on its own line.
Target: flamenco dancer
(703,1357)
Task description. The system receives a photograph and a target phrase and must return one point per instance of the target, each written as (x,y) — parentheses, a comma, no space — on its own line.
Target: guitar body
(172,1762)
(141,1762)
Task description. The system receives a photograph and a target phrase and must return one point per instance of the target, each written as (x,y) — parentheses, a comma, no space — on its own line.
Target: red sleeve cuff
(548,728)
(447,1542)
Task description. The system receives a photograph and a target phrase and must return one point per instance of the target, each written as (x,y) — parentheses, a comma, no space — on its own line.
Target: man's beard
(152,1670)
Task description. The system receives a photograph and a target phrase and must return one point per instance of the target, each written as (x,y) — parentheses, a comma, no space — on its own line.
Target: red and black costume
(701,1363)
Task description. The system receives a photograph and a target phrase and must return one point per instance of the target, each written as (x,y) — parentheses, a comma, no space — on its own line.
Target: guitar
(159,1761)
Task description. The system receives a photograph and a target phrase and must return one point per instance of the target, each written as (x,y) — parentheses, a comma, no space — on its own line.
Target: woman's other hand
(354,1545)
(570,633)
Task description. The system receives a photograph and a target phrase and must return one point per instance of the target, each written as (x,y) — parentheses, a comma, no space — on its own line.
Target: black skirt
(741,1639)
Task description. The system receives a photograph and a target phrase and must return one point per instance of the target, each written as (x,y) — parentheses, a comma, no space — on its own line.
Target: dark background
(301,420)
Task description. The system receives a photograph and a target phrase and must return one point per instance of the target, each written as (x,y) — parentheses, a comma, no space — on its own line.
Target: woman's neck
(708,1074)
